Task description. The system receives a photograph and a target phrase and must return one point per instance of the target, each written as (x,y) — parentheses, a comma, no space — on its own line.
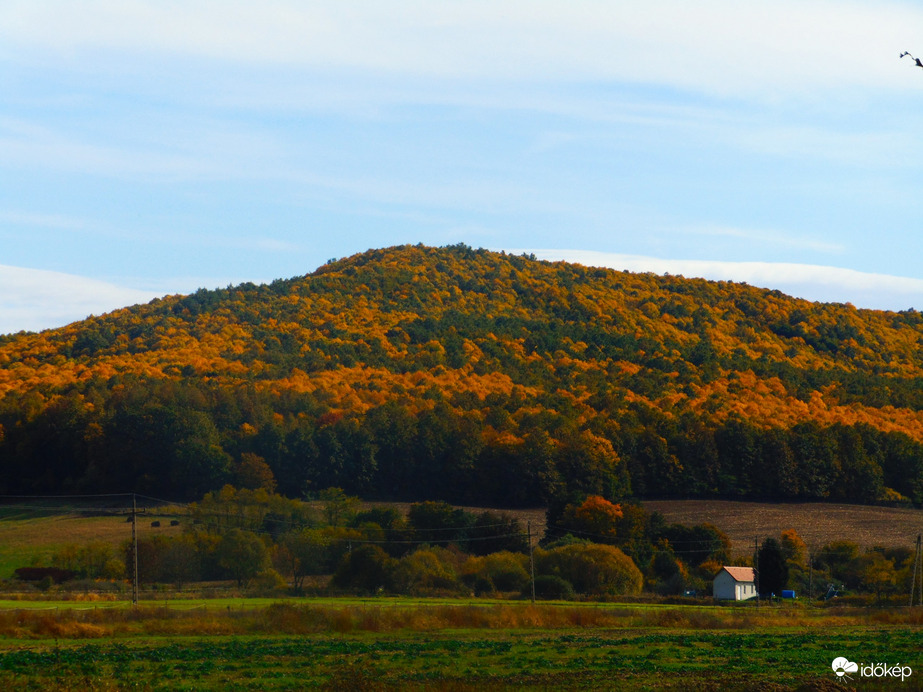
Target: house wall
(725,588)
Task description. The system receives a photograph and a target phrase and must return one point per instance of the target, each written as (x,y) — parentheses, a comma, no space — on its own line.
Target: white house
(734,584)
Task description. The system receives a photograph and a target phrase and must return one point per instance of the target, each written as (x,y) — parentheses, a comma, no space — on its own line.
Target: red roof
(740,573)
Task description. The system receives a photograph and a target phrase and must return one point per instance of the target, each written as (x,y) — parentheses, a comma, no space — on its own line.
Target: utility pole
(811,577)
(920,558)
(917,567)
(531,558)
(756,567)
(134,548)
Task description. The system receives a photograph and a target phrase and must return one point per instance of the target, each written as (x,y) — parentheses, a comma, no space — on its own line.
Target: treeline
(416,373)
(179,439)
(839,568)
(591,548)
(263,541)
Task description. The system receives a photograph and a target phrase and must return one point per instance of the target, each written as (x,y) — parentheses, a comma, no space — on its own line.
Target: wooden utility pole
(531,558)
(134,549)
(811,577)
(917,569)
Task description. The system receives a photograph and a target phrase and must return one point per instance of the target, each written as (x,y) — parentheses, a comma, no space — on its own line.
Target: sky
(152,147)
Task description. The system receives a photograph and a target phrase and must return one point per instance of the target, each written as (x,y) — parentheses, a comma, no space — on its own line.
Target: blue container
(788,594)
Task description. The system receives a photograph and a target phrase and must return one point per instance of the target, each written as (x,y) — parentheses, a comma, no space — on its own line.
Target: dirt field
(817,523)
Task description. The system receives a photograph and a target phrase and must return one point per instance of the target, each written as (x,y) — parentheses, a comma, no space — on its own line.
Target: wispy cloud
(760,49)
(38,220)
(812,282)
(771,238)
(33,299)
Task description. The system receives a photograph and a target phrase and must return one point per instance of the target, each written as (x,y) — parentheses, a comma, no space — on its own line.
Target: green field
(450,643)
(462,660)
(34,537)
(457,645)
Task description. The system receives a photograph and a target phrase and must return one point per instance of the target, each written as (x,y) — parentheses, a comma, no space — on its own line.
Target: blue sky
(154,147)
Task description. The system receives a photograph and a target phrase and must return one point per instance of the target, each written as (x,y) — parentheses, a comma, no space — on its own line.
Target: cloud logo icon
(842,665)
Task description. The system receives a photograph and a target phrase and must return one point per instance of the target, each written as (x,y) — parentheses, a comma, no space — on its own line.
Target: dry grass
(23,540)
(296,619)
(817,523)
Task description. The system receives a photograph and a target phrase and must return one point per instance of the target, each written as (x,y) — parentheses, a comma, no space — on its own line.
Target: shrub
(368,568)
(39,574)
(551,587)
(423,571)
(592,569)
(482,586)
(506,570)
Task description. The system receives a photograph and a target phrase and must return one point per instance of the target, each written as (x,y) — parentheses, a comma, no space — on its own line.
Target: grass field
(459,646)
(27,538)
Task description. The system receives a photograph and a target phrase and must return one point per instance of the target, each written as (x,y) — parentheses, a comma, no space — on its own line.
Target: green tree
(772,568)
(339,508)
(493,532)
(180,562)
(368,568)
(305,553)
(243,554)
(878,573)
(439,523)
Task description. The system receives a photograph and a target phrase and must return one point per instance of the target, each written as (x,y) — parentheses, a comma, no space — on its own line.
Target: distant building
(734,584)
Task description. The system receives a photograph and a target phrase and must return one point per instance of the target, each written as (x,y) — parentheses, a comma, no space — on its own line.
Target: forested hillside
(469,376)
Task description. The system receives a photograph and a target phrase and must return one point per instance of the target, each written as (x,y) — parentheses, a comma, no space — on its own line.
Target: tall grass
(302,619)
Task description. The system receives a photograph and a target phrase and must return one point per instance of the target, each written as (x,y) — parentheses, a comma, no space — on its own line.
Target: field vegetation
(609,611)
(462,646)
(258,543)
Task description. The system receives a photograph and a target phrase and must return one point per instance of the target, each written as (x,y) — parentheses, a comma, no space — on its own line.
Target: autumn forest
(416,373)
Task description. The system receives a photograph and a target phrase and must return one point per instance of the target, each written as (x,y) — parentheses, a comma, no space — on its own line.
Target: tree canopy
(475,377)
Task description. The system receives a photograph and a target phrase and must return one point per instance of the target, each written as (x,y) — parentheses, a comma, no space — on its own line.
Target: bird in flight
(915,60)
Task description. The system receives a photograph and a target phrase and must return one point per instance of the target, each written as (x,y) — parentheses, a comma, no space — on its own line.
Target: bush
(368,568)
(505,571)
(550,587)
(592,569)
(482,586)
(40,574)
(268,581)
(423,571)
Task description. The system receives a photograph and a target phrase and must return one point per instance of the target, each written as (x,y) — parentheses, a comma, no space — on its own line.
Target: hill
(471,376)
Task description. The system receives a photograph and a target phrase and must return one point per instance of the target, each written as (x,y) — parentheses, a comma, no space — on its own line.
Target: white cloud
(766,238)
(812,282)
(761,49)
(33,299)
